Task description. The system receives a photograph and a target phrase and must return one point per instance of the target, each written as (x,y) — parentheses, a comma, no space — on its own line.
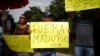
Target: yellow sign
(77,5)
(18,43)
(49,34)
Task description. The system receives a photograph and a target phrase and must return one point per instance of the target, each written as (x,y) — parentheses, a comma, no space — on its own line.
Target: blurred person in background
(1,39)
(9,26)
(22,29)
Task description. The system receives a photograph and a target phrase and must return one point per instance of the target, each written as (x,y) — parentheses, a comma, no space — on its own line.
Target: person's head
(87,14)
(47,17)
(22,19)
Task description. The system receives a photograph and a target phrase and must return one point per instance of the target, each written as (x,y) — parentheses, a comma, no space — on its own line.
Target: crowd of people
(83,35)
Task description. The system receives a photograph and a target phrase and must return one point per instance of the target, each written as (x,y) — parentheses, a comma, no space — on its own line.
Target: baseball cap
(47,14)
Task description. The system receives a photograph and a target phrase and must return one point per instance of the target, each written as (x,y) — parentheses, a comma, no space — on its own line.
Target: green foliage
(28,14)
(34,14)
(57,8)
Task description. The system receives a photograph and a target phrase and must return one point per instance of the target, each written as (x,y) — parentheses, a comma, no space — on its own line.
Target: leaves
(34,14)
(57,8)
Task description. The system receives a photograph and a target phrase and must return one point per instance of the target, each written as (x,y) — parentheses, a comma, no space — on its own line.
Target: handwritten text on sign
(49,34)
(18,43)
(77,5)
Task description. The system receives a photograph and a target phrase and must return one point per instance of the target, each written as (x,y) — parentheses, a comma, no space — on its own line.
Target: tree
(34,14)
(57,8)
(29,15)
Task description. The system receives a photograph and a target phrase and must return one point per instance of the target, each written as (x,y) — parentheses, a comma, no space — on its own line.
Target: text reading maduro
(49,34)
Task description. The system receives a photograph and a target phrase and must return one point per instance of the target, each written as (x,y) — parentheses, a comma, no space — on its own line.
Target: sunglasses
(22,18)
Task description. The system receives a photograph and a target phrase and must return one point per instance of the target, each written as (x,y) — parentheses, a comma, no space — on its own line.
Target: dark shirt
(23,31)
(84,33)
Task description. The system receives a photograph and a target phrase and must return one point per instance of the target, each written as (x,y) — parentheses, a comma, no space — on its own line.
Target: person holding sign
(9,27)
(48,51)
(84,34)
(22,29)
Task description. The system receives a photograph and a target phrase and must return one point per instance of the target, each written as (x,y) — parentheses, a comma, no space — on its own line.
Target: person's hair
(13,24)
(25,16)
(26,19)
